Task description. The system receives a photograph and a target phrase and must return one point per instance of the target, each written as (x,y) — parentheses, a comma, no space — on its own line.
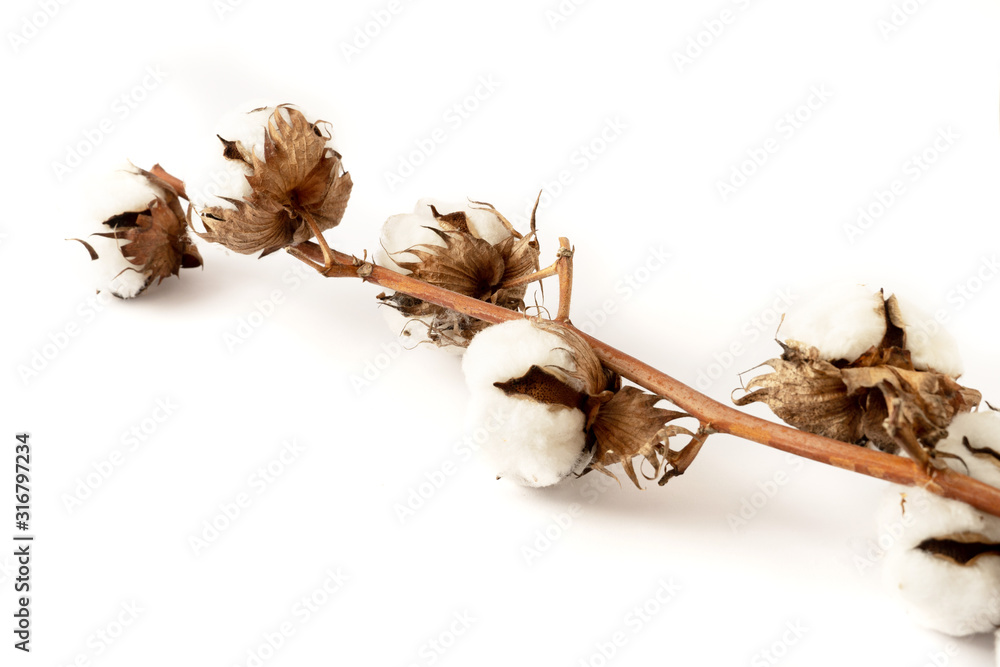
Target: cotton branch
(712,414)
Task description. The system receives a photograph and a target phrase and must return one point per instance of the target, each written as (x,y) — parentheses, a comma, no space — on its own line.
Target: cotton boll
(406,230)
(930,346)
(534,443)
(123,190)
(939,591)
(220,177)
(841,321)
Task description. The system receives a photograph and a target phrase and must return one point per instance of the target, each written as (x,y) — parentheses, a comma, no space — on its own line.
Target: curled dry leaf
(621,423)
(299,185)
(468,265)
(878,398)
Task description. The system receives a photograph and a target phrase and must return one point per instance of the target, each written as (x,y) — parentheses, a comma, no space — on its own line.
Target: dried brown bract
(878,398)
(298,190)
(470,265)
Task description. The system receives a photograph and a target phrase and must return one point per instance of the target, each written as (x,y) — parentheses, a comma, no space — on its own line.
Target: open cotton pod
(274,181)
(141,234)
(551,410)
(862,368)
(470,249)
(944,561)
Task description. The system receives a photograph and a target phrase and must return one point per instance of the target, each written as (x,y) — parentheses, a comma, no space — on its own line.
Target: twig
(722,418)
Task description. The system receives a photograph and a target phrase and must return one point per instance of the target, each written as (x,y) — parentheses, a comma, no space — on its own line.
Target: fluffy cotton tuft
(533,443)
(841,321)
(930,346)
(405,230)
(939,593)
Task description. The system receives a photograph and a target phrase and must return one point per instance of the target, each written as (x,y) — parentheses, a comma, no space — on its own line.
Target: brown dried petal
(157,242)
(807,393)
(627,426)
(466,264)
(298,179)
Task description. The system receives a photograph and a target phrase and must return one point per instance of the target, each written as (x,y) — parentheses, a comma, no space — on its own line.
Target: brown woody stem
(712,414)
(565,267)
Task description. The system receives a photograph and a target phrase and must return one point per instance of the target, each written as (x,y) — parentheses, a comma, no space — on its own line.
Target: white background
(683,127)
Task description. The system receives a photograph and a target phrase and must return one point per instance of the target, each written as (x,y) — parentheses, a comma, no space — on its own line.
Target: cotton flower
(945,563)
(275,187)
(555,410)
(469,249)
(865,369)
(142,234)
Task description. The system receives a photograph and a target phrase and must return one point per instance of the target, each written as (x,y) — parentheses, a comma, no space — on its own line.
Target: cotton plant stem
(712,414)
(565,267)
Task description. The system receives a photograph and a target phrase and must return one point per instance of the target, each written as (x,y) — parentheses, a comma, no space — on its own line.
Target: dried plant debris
(472,250)
(298,187)
(143,225)
(944,559)
(879,398)
(556,411)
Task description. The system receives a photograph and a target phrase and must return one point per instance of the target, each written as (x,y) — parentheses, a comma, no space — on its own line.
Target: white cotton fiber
(120,191)
(931,346)
(405,230)
(841,321)
(939,593)
(530,442)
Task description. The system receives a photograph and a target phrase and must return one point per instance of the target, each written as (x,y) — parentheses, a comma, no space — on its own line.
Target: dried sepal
(878,398)
(299,180)
(467,264)
(630,425)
